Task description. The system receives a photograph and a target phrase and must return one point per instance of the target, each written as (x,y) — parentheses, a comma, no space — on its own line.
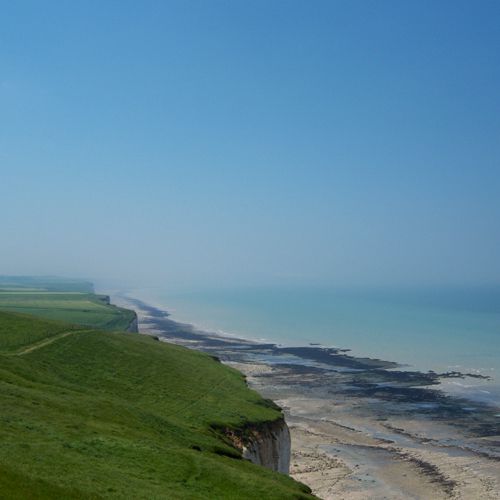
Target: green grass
(92,414)
(75,307)
(16,335)
(72,301)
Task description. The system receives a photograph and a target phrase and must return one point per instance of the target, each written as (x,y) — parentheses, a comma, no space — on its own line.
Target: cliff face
(133,326)
(267,444)
(105,298)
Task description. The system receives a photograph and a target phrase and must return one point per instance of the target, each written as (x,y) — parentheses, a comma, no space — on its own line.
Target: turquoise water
(431,329)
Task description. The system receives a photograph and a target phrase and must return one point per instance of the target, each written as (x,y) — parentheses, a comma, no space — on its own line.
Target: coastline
(441,331)
(360,427)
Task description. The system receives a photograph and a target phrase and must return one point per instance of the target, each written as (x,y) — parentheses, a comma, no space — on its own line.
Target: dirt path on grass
(45,342)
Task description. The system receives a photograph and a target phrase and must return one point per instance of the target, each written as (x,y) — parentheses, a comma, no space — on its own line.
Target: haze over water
(443,329)
(202,144)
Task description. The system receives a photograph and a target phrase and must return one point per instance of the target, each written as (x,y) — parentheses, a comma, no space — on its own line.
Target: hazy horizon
(276,143)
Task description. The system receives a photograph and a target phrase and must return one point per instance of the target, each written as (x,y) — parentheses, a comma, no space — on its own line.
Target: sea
(434,328)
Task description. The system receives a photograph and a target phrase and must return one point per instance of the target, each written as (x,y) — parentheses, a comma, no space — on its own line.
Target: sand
(342,455)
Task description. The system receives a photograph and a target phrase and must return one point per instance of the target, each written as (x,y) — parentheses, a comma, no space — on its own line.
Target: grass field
(81,308)
(16,335)
(91,414)
(49,298)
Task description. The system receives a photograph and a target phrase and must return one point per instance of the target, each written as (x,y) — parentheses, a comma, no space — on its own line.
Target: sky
(199,143)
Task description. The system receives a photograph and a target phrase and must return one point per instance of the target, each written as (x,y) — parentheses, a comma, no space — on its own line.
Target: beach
(361,428)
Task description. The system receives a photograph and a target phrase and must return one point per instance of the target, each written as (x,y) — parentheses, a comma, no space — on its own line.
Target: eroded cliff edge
(267,444)
(133,326)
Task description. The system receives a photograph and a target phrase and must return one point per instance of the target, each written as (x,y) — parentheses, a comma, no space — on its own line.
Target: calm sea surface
(432,329)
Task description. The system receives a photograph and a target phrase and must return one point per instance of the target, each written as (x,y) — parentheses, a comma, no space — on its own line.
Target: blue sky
(235,142)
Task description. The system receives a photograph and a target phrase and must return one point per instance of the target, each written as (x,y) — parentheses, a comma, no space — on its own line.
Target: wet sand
(361,428)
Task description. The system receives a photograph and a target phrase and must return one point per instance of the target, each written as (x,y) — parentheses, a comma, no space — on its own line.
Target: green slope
(76,307)
(90,414)
(62,299)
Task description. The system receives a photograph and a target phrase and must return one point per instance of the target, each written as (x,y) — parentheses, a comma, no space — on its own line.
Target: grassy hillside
(81,308)
(61,299)
(18,332)
(89,414)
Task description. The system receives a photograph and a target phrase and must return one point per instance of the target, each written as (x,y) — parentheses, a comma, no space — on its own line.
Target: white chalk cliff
(267,444)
